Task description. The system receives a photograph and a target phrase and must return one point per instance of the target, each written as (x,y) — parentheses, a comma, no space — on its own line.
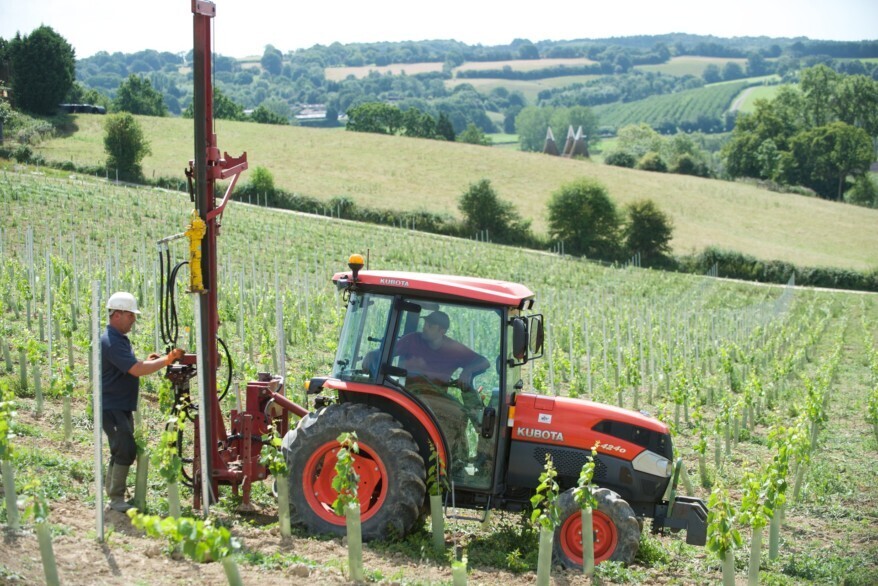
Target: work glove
(153,356)
(173,356)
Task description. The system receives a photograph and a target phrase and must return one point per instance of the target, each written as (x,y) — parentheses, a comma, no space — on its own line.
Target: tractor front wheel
(615,530)
(392,475)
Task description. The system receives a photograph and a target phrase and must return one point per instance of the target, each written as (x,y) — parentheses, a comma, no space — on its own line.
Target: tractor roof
(446,286)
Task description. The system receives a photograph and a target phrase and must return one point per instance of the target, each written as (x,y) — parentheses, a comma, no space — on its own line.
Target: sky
(244,27)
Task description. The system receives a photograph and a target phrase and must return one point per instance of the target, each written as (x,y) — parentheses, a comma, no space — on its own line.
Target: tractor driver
(430,359)
(120,374)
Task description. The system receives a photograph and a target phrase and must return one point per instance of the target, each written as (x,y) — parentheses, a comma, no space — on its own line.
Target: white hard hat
(123,301)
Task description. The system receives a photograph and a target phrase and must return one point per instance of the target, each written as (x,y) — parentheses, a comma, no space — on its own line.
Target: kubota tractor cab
(434,362)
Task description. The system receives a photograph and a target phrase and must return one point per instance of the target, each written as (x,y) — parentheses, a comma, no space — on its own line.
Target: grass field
(412,174)
(690,65)
(340,73)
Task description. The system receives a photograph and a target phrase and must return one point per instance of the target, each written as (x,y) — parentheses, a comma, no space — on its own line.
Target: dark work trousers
(119,427)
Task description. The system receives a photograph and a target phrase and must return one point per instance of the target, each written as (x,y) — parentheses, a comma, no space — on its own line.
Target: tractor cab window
(360,344)
(448,356)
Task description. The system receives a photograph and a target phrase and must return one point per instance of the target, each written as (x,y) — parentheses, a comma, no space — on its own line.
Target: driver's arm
(477,366)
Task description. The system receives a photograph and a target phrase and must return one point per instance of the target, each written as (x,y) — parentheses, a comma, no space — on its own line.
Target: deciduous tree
(125,145)
(582,215)
(137,96)
(648,230)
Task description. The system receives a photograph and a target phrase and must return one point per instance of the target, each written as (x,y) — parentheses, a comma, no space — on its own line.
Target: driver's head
(435,325)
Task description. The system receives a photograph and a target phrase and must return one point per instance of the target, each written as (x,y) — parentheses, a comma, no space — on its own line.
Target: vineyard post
(435,482)
(97,408)
(142,470)
(347,503)
(49,309)
(545,514)
(7,411)
(583,494)
(587,358)
(7,357)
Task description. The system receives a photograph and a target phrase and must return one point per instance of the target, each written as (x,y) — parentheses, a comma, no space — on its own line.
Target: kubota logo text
(394,282)
(544,434)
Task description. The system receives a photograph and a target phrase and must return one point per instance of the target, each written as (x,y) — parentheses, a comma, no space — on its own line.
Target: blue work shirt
(119,389)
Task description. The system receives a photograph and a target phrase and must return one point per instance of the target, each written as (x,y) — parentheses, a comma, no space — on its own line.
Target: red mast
(205,170)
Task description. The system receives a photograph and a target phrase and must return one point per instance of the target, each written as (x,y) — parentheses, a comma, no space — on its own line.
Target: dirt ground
(127,556)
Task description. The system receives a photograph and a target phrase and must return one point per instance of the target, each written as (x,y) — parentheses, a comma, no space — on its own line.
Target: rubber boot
(119,481)
(108,481)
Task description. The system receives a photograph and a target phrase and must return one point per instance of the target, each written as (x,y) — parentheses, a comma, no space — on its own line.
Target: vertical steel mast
(205,170)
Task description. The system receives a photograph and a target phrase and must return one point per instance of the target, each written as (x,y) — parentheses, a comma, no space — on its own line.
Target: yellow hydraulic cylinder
(195,232)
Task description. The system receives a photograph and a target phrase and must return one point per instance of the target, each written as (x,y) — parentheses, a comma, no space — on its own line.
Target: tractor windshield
(361,339)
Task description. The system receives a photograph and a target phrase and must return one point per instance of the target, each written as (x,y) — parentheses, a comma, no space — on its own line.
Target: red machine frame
(230,458)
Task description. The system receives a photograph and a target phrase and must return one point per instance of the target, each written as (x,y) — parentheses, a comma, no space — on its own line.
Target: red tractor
(469,406)
(492,436)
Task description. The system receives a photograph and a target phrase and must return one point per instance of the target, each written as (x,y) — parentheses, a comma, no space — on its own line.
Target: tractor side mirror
(535,328)
(527,339)
(519,338)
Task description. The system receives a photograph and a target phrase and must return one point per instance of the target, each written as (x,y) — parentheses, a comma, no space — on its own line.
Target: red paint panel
(568,422)
(472,288)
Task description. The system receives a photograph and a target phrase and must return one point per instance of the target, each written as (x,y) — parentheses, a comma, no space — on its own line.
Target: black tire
(616,530)
(392,472)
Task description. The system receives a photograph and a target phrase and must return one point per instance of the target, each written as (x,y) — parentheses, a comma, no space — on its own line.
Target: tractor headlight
(652,463)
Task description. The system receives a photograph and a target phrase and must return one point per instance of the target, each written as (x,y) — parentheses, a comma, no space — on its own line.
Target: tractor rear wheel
(392,474)
(615,530)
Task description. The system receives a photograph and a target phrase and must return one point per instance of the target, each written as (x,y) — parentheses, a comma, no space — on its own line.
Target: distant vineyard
(701,109)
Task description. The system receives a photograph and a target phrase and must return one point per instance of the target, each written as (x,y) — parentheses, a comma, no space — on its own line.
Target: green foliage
(263,115)
(137,96)
(472,134)
(224,107)
(346,478)
(822,158)
(652,161)
(649,231)
(582,215)
(125,145)
(864,192)
(544,502)
(620,159)
(583,494)
(483,210)
(816,135)
(42,70)
(375,117)
(701,109)
(261,181)
(36,503)
(166,457)
(199,540)
(437,476)
(722,536)
(7,415)
(271,456)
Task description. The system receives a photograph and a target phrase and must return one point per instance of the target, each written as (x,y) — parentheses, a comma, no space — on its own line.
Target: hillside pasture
(524,64)
(415,174)
(690,65)
(342,73)
(529,88)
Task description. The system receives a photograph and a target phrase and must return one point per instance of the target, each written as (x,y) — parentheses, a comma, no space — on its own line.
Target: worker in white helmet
(120,373)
